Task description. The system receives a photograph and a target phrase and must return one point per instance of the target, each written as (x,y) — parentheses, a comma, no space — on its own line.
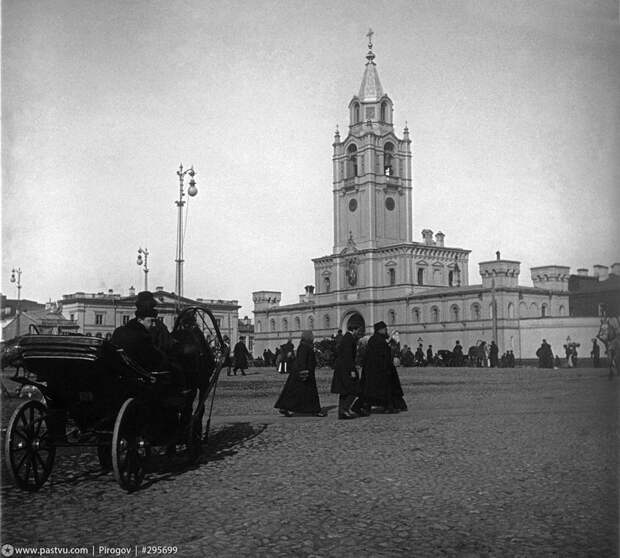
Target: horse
(609,335)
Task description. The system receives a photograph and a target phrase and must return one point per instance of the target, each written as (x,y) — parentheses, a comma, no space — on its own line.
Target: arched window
(384,111)
(511,310)
(310,322)
(450,278)
(544,311)
(522,310)
(352,161)
(562,310)
(416,315)
(436,276)
(388,159)
(326,321)
(454,313)
(284,324)
(392,317)
(533,309)
(491,310)
(356,113)
(434,314)
(297,323)
(326,284)
(475,311)
(259,326)
(420,276)
(392,276)
(272,324)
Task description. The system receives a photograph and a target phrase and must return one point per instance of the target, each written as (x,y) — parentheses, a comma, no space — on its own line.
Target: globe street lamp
(191,191)
(16,277)
(144,252)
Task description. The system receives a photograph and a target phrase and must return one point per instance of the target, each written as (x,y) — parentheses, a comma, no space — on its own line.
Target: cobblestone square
(486,462)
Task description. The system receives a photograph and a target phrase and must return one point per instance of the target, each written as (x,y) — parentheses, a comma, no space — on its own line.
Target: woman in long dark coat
(301,395)
(345,381)
(380,382)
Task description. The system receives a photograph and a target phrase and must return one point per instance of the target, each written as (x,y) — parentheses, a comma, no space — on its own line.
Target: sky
(513,109)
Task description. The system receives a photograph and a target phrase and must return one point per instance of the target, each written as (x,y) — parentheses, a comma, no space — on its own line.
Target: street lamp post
(144,252)
(191,191)
(16,277)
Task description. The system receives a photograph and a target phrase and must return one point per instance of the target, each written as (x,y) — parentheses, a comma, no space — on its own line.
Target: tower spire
(371,55)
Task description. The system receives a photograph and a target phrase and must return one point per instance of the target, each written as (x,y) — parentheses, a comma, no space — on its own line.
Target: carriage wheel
(29,449)
(130,449)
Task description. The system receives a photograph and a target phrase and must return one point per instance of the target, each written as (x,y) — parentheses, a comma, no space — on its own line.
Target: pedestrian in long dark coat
(345,381)
(240,357)
(493,354)
(545,355)
(595,353)
(380,383)
(300,394)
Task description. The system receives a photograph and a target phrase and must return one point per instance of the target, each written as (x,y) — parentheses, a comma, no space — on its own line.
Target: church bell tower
(372,171)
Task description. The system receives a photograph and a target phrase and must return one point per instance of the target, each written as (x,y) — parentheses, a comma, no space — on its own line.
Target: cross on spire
(369,35)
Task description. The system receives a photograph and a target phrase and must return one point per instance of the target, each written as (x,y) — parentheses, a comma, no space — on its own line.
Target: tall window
(392,276)
(352,161)
(416,316)
(475,311)
(436,276)
(451,278)
(310,322)
(420,276)
(356,113)
(284,324)
(297,323)
(533,309)
(98,319)
(326,284)
(72,317)
(562,311)
(544,311)
(454,313)
(522,310)
(384,111)
(511,310)
(259,326)
(392,317)
(435,314)
(388,159)
(272,324)
(126,319)
(326,321)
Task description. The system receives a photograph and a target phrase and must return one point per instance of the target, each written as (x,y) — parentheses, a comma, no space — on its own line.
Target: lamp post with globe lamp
(144,260)
(191,191)
(16,277)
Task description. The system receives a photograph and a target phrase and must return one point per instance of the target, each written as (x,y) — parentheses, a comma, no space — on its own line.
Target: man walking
(345,381)
(240,357)
(595,353)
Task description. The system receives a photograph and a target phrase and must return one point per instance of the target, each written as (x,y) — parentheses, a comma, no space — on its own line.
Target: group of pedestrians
(376,388)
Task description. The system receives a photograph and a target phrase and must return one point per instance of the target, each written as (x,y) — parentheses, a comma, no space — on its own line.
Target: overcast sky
(513,109)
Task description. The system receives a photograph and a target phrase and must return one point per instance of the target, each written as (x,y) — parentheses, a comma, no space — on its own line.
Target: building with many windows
(376,271)
(98,314)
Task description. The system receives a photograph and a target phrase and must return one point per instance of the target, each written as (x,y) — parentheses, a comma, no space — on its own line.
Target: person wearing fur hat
(380,384)
(135,336)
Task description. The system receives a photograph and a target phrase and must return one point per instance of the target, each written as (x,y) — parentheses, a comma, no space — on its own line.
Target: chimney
(582,272)
(615,269)
(601,271)
(309,289)
(132,291)
(159,289)
(427,236)
(439,237)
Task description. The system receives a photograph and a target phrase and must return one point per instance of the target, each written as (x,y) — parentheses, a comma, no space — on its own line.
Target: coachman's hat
(379,325)
(145,305)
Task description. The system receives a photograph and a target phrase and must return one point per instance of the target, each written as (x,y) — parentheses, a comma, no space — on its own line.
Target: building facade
(376,271)
(99,314)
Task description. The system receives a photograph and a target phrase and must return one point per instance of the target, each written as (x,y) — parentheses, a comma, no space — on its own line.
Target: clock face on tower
(353,205)
(389,204)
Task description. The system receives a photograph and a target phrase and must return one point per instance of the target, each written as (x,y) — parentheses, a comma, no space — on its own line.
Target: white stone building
(376,270)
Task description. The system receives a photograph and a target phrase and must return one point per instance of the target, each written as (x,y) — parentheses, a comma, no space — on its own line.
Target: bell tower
(372,170)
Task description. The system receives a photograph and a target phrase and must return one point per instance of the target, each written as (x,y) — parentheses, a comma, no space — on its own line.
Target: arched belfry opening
(388,159)
(351,161)
(355,319)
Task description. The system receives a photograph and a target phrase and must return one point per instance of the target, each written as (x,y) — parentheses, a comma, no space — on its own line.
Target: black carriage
(95,395)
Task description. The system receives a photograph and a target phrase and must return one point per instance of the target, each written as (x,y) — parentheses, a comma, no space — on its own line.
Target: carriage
(95,395)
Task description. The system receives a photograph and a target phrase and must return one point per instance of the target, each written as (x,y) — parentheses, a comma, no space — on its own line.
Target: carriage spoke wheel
(29,449)
(130,449)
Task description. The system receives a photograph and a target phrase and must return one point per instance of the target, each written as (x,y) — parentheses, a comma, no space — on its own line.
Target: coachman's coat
(380,382)
(137,342)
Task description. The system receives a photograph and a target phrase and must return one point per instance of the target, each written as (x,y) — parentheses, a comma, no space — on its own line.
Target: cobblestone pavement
(485,463)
